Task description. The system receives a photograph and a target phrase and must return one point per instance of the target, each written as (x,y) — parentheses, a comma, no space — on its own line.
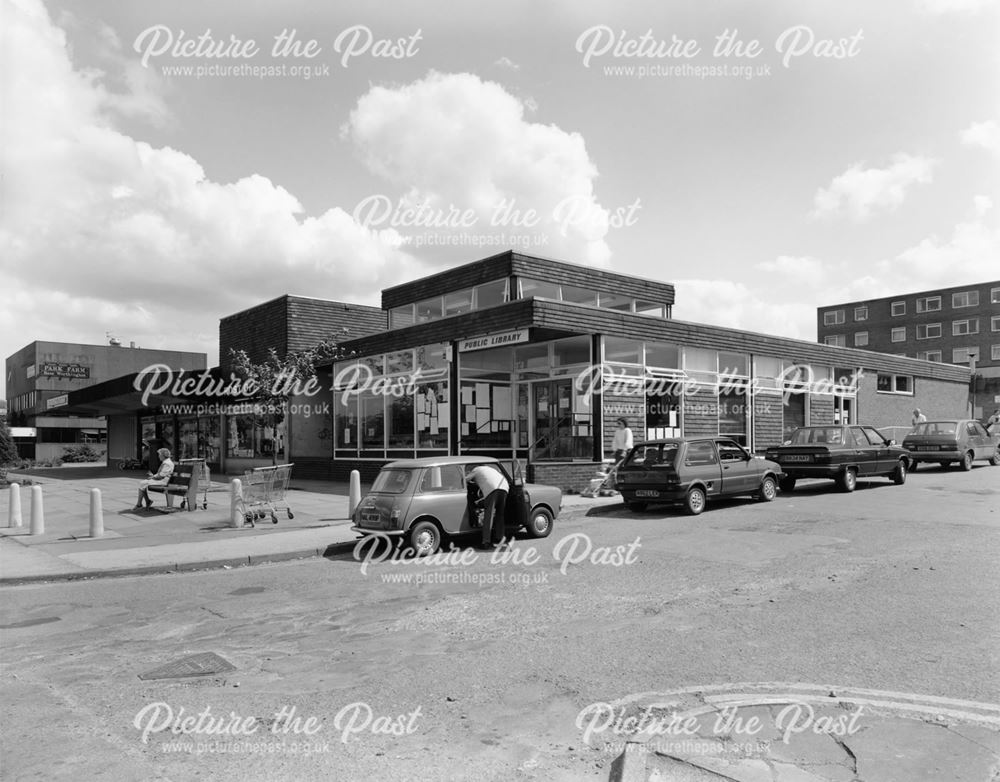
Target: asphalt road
(480,670)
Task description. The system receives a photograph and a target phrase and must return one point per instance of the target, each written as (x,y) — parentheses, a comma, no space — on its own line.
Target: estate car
(962,441)
(420,501)
(692,470)
(843,453)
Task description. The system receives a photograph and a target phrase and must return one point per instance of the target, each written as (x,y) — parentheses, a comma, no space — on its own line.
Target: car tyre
(966,463)
(768,489)
(425,538)
(899,474)
(786,484)
(694,501)
(995,458)
(637,507)
(848,480)
(540,523)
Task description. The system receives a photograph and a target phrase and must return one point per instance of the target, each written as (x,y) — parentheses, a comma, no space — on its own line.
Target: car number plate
(647,493)
(370,517)
(797,458)
(927,448)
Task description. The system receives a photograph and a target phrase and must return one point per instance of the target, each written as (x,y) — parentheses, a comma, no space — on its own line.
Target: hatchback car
(421,501)
(842,453)
(692,470)
(961,441)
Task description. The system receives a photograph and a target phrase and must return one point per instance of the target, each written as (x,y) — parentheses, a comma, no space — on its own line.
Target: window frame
(926,300)
(970,295)
(893,306)
(892,334)
(927,327)
(839,318)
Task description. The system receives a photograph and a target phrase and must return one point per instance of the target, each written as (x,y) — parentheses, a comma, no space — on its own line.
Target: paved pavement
(150,541)
(747,732)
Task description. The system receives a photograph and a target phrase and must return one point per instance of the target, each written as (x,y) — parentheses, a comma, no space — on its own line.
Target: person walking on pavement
(161,478)
(494,487)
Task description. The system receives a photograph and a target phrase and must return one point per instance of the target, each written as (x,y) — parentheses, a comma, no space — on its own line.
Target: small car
(692,470)
(421,501)
(962,441)
(842,453)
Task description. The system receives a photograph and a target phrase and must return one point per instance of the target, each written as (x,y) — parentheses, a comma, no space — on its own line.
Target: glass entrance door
(561,425)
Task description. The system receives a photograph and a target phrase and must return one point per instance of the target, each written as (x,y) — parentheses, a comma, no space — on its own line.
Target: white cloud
(860,191)
(455,140)
(506,62)
(741,306)
(983,134)
(100,218)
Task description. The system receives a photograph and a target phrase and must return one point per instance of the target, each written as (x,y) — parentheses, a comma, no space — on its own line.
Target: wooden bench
(183,483)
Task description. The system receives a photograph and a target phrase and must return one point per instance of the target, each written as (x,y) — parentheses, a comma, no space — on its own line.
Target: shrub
(82,453)
(8,453)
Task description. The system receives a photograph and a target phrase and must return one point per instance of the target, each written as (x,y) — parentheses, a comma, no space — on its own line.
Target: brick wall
(701,412)
(935,398)
(820,409)
(767,419)
(570,477)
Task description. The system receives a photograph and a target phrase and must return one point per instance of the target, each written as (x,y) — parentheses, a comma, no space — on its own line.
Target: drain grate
(201,664)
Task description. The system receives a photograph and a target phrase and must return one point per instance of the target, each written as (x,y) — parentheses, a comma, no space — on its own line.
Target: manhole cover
(42,620)
(202,664)
(248,591)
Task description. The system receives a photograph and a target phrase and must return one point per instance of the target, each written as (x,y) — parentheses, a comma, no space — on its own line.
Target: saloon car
(422,501)
(842,453)
(690,471)
(960,441)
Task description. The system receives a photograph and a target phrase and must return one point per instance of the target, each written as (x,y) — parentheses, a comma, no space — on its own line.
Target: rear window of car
(833,435)
(935,427)
(393,481)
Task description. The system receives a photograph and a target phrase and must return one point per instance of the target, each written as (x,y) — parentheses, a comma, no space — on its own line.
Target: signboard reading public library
(493,340)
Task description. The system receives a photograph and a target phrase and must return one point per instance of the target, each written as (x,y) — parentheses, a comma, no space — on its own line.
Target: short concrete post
(14,516)
(37,511)
(236,502)
(96,514)
(354,496)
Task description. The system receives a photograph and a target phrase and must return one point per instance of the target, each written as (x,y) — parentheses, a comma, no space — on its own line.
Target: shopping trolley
(263,493)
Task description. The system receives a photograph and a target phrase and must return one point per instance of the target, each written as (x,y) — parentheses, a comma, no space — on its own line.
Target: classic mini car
(843,453)
(962,440)
(421,501)
(692,470)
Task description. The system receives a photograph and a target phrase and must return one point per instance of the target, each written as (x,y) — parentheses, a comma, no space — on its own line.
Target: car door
(865,450)
(740,474)
(884,460)
(701,464)
(442,493)
(517,511)
(980,440)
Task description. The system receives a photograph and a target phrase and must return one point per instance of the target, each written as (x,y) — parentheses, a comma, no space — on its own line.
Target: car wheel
(694,502)
(425,538)
(787,484)
(768,489)
(540,523)
(995,458)
(966,463)
(849,479)
(899,474)
(638,507)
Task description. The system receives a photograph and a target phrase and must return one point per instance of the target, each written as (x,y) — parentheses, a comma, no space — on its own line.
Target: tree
(271,384)
(8,451)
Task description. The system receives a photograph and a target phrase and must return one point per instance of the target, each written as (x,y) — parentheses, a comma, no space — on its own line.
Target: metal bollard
(37,511)
(236,502)
(354,496)
(96,514)
(14,515)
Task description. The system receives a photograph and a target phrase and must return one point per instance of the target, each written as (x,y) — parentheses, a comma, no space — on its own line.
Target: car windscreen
(651,455)
(392,481)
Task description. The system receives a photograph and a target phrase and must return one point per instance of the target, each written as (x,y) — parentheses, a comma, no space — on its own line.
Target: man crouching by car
(494,487)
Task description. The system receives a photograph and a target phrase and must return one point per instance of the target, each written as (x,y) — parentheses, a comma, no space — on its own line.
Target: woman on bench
(161,478)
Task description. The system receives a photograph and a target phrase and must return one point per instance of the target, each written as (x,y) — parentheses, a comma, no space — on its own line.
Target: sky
(166,165)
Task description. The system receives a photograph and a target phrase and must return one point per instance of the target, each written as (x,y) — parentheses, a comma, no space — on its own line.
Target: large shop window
(793,413)
(255,436)
(733,413)
(486,418)
(663,409)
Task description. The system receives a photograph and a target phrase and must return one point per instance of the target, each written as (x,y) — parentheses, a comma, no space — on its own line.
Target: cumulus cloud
(983,134)
(860,191)
(101,230)
(454,140)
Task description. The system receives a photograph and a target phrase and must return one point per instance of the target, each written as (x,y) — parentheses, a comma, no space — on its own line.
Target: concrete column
(14,516)
(37,511)
(354,497)
(236,502)
(96,514)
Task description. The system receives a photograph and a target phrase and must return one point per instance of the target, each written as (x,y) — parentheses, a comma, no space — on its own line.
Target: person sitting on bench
(161,478)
